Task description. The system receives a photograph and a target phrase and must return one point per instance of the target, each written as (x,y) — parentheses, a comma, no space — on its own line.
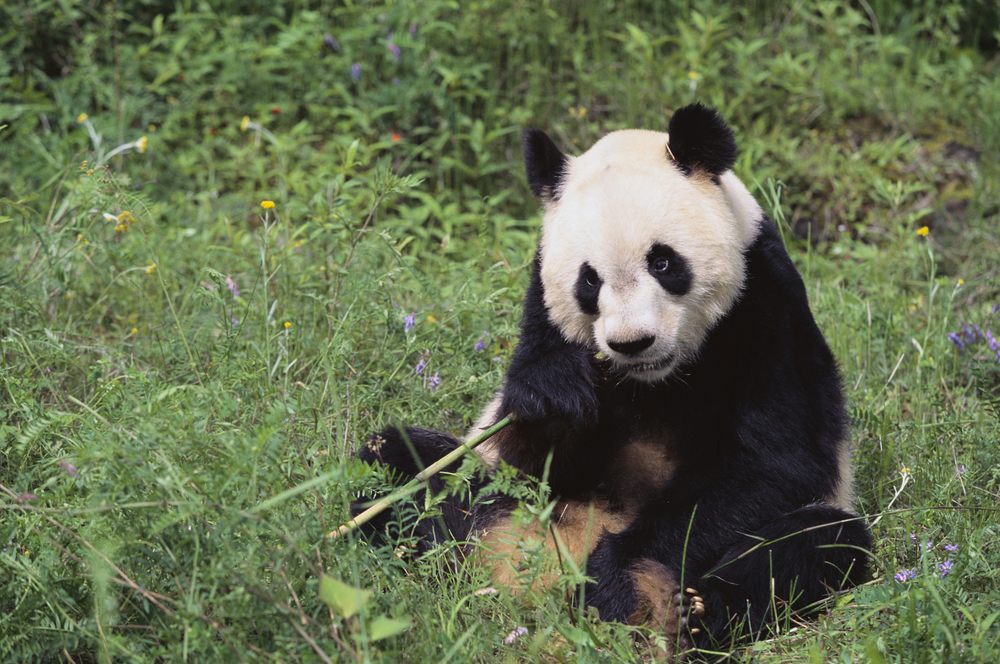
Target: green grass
(183,387)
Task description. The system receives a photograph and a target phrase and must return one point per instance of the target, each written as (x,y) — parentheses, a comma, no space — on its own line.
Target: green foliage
(186,375)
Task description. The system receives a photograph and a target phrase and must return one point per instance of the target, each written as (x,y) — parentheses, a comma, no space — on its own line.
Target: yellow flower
(961,282)
(267,205)
(924,231)
(245,123)
(151,268)
(692,75)
(431,319)
(287,325)
(135,330)
(81,118)
(141,144)
(151,128)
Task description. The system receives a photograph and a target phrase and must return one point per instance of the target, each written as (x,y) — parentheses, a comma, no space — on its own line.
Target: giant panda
(673,388)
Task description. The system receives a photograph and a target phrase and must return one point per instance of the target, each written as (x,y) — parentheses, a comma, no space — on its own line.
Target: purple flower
(481,344)
(356,71)
(951,547)
(68,468)
(516,632)
(420,366)
(905,575)
(232,319)
(945,568)
(955,339)
(233,288)
(409,323)
(331,42)
(913,538)
(433,382)
(25,497)
(991,340)
(395,51)
(961,470)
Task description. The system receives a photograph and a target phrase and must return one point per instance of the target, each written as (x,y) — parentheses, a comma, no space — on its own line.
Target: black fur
(701,139)
(546,164)
(588,289)
(755,425)
(670,269)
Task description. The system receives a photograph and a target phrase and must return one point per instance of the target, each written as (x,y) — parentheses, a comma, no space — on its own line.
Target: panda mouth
(651,367)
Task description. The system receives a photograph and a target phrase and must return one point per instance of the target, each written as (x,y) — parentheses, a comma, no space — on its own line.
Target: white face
(640,261)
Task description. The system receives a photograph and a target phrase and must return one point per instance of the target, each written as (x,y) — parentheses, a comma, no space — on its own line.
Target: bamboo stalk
(419,479)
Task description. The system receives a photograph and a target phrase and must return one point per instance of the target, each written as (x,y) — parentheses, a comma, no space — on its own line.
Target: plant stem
(420,478)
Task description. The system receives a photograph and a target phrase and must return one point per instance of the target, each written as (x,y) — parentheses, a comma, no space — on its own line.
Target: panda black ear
(701,139)
(543,162)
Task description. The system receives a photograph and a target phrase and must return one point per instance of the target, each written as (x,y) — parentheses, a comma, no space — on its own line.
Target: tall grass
(186,375)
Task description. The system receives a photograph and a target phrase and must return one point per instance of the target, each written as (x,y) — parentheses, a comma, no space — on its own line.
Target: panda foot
(665,606)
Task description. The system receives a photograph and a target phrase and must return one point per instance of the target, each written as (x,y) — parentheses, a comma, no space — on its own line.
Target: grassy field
(186,370)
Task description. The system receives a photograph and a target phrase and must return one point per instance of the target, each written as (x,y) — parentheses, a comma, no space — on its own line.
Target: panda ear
(701,140)
(544,163)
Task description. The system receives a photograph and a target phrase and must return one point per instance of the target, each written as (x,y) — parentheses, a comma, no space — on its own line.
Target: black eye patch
(588,288)
(669,268)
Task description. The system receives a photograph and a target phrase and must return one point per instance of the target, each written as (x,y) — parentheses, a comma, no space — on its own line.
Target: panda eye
(669,268)
(590,276)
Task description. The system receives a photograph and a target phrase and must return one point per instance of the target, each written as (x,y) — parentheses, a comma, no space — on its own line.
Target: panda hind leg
(789,566)
(406,452)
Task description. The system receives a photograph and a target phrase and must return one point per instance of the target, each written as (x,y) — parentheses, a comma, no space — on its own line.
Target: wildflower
(81,118)
(25,497)
(431,319)
(945,568)
(267,205)
(514,634)
(275,110)
(961,282)
(151,268)
(331,42)
(955,339)
(930,545)
(924,231)
(356,71)
(951,548)
(232,319)
(245,123)
(135,330)
(408,322)
(913,538)
(961,470)
(68,468)
(395,51)
(433,382)
(139,145)
(484,591)
(481,344)
(420,367)
(287,324)
(396,138)
(905,575)
(151,128)
(233,288)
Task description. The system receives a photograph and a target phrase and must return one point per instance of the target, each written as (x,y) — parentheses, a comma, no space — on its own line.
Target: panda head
(643,239)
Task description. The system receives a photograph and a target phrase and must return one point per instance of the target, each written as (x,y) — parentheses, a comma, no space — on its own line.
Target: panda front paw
(563,391)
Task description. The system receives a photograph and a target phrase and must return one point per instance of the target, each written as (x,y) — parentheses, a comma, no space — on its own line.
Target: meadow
(237,237)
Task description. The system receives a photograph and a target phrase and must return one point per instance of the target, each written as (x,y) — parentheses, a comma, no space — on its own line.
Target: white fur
(617,200)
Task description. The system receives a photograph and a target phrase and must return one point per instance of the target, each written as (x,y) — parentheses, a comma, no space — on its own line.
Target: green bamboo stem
(419,479)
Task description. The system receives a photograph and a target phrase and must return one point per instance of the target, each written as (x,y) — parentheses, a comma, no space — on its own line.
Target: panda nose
(632,347)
